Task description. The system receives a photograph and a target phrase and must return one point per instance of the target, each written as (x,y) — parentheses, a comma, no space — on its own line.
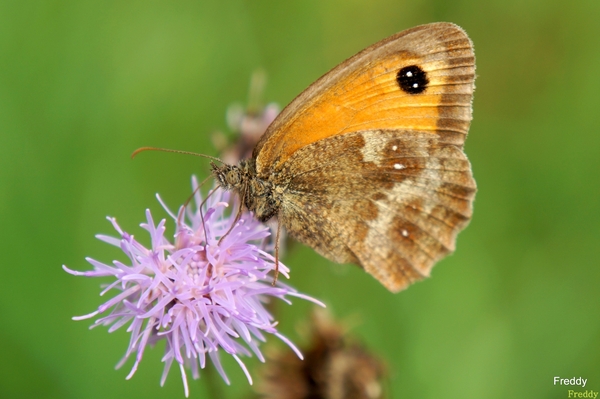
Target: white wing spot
(399,166)
(404,233)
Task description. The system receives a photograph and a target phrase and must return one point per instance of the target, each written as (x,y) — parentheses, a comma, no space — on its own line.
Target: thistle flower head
(336,366)
(203,292)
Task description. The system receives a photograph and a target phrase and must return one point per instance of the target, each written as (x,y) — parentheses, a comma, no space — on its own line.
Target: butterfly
(367,165)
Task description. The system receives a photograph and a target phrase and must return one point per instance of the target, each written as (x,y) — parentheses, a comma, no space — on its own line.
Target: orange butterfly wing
(362,93)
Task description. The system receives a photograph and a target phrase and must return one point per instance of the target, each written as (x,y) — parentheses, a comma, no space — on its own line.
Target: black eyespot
(412,79)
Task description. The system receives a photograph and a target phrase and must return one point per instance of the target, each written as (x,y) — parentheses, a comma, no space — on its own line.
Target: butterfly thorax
(259,195)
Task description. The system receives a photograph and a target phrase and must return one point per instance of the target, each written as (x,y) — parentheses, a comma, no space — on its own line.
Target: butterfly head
(259,195)
(231,177)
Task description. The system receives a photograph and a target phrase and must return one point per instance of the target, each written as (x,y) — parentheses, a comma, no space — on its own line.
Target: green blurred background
(82,84)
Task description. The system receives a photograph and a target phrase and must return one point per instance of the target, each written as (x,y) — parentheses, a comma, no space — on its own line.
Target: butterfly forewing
(363,93)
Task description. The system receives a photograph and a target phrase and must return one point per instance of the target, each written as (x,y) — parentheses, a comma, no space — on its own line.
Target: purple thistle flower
(201,294)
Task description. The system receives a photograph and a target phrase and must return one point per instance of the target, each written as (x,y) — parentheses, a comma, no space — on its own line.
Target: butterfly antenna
(142,149)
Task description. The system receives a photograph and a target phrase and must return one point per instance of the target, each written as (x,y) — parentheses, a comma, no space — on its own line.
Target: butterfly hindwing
(392,201)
